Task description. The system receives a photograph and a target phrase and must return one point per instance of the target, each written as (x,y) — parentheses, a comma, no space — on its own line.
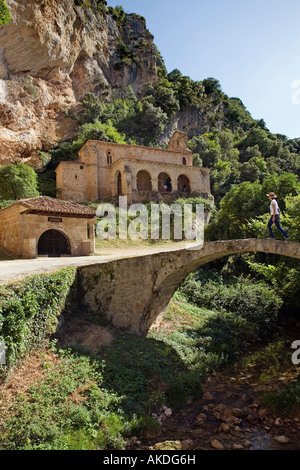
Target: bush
(208,204)
(255,302)
(29,311)
(47,418)
(4,204)
(17,182)
(4,13)
(286,401)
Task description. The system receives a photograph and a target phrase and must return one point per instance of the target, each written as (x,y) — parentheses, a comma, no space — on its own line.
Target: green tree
(283,185)
(236,114)
(165,97)
(145,123)
(254,170)
(4,13)
(93,108)
(17,182)
(247,201)
(188,92)
(211,85)
(99,131)
(242,203)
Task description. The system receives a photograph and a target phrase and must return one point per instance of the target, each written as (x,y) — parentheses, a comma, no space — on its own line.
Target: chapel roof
(48,204)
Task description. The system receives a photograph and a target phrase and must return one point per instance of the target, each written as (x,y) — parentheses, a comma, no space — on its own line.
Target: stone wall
(167,198)
(10,226)
(96,152)
(71,181)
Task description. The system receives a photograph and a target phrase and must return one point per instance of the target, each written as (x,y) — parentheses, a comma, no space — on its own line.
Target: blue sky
(252,48)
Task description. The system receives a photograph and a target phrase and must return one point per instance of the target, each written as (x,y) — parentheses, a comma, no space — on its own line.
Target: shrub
(47,418)
(255,302)
(286,401)
(29,311)
(4,13)
(17,182)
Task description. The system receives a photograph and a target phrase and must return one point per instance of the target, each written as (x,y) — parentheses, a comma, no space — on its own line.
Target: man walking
(275,216)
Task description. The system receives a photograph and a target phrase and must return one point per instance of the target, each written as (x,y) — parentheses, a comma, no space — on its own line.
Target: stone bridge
(133,293)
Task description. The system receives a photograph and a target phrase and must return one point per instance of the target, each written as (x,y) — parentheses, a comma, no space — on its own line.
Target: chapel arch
(54,243)
(184,185)
(118,183)
(164,182)
(143,181)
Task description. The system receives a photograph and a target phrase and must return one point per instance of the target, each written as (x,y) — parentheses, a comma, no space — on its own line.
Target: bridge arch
(107,285)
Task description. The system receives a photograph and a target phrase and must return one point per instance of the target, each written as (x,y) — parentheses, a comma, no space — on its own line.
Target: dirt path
(229,416)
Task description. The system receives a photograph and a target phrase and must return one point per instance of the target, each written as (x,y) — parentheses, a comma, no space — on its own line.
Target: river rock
(224,427)
(237,446)
(278,422)
(282,439)
(247,444)
(167,445)
(168,412)
(199,422)
(217,445)
(188,444)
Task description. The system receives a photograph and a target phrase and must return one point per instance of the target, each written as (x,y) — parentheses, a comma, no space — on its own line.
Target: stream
(230,414)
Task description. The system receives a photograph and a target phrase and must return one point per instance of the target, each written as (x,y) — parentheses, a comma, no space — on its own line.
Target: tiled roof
(48,204)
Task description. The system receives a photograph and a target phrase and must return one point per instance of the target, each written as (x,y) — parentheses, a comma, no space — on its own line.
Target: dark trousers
(277,224)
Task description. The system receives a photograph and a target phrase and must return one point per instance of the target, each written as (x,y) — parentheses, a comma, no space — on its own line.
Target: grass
(269,361)
(120,244)
(286,401)
(272,363)
(68,409)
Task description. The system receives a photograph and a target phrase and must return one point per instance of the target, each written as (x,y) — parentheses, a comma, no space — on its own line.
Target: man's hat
(271,195)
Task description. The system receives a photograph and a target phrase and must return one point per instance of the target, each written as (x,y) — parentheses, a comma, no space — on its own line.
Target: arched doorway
(184,184)
(53,243)
(118,183)
(164,183)
(143,181)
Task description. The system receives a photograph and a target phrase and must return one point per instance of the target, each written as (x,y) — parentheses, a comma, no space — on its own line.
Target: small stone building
(106,170)
(43,226)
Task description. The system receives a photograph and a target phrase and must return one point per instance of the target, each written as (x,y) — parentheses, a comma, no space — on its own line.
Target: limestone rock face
(51,54)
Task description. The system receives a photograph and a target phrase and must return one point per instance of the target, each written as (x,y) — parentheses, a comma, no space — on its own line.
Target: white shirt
(276,207)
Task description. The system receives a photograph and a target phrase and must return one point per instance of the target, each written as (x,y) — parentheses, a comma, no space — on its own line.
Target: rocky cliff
(52,53)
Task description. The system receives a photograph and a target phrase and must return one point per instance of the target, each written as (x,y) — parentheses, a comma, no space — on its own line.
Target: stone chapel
(106,170)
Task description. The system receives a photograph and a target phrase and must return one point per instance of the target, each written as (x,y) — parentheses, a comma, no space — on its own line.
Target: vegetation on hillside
(232,144)
(4,13)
